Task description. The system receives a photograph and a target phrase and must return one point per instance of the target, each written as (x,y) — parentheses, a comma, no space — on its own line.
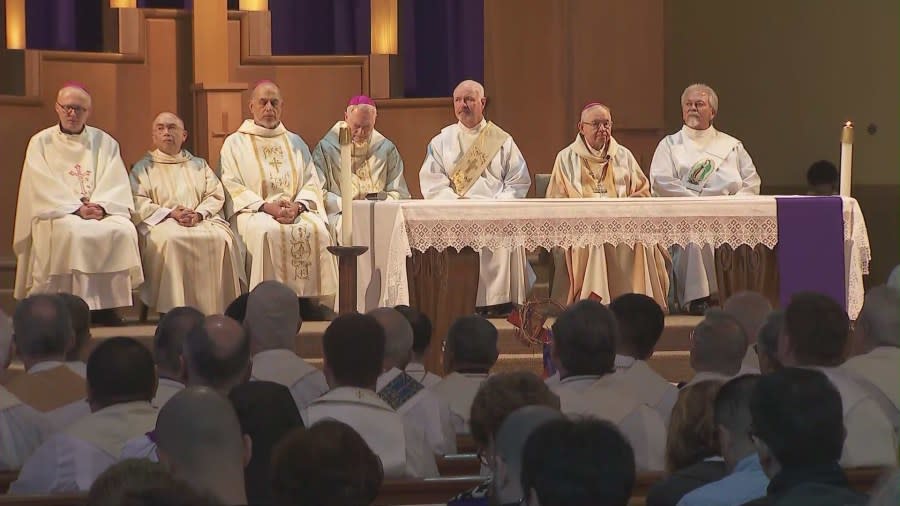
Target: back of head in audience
(398,337)
(272,318)
(560,465)
(168,341)
(139,482)
(471,345)
(893,279)
(584,339)
(878,323)
(199,440)
(6,341)
(421,327)
(718,344)
(119,370)
(822,178)
(217,354)
(797,420)
(767,342)
(353,349)
(42,329)
(500,395)
(266,412)
(80,313)
(506,461)
(692,433)
(328,464)
(732,416)
(237,309)
(750,309)
(816,332)
(641,323)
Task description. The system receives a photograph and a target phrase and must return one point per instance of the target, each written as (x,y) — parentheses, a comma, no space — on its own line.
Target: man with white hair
(750,309)
(375,163)
(73,230)
(273,200)
(596,166)
(475,159)
(420,407)
(718,347)
(699,160)
(178,205)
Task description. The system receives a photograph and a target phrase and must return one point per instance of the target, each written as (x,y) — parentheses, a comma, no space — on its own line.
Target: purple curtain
(70,25)
(314,27)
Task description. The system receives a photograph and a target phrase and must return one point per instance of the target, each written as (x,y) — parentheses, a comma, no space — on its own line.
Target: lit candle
(346,188)
(846,157)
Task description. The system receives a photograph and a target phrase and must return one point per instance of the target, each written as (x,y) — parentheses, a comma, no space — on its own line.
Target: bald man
(751,309)
(274,201)
(375,163)
(596,166)
(73,230)
(718,346)
(178,204)
(475,159)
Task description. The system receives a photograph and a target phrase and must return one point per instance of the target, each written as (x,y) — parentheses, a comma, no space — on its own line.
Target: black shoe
(698,307)
(107,318)
(495,311)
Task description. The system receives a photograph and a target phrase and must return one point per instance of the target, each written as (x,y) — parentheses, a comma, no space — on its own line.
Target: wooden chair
(465,444)
(864,479)
(428,491)
(460,464)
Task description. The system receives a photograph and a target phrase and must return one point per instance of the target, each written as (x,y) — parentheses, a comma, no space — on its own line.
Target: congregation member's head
(641,323)
(267,412)
(120,370)
(699,106)
(168,341)
(878,323)
(584,340)
(718,344)
(822,178)
(560,465)
(469,102)
(691,435)
(199,440)
(398,337)
(237,309)
(750,309)
(6,341)
(42,329)
(500,395)
(327,464)
(80,314)
(272,318)
(506,462)
(421,327)
(353,349)
(767,342)
(732,417)
(217,354)
(471,345)
(266,104)
(816,332)
(73,107)
(169,133)
(360,118)
(595,125)
(140,482)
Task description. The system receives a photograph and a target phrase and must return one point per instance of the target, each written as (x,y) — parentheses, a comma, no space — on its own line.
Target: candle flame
(848,124)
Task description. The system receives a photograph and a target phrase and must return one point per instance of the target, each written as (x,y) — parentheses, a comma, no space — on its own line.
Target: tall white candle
(846,158)
(346,189)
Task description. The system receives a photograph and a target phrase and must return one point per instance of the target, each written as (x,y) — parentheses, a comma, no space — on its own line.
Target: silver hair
(703,88)
(474,84)
(880,316)
(351,108)
(398,334)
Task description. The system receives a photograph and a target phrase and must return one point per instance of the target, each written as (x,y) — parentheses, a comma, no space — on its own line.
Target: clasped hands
(283,211)
(90,210)
(185,217)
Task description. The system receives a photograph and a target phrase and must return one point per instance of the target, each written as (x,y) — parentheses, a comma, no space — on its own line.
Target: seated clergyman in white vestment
(73,229)
(274,201)
(375,163)
(475,159)
(353,348)
(596,166)
(699,160)
(178,205)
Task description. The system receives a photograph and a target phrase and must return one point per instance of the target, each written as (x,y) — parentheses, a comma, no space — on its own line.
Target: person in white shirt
(751,310)
(816,336)
(469,354)
(767,342)
(421,327)
(420,407)
(718,348)
(121,383)
(168,344)
(353,347)
(273,322)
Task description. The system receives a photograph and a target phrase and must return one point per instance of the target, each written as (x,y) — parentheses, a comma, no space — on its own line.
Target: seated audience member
(353,348)
(877,360)
(767,342)
(42,332)
(272,321)
(81,326)
(420,407)
(584,343)
(199,441)
(718,347)
(327,464)
(641,323)
(237,310)
(421,326)
(816,335)
(168,342)
(751,310)
(138,482)
(822,178)
(692,446)
(469,354)
(746,480)
(798,431)
(267,412)
(121,382)
(560,465)
(893,280)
